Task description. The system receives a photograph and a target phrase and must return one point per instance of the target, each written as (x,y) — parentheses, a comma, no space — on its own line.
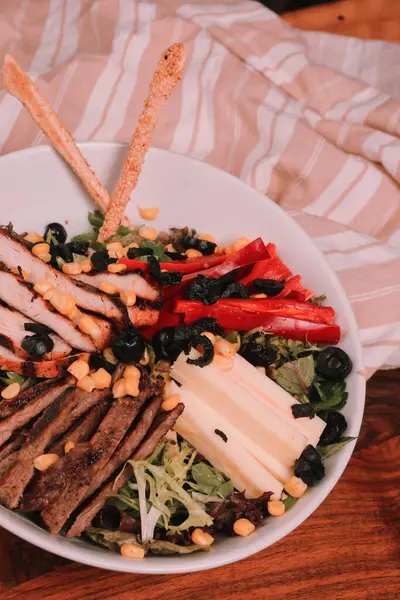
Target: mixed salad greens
(248,299)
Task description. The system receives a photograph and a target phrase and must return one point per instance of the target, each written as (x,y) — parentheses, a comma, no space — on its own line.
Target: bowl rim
(96,557)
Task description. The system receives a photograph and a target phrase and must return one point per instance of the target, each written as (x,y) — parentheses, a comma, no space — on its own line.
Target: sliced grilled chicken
(12,333)
(45,369)
(19,295)
(122,281)
(14,254)
(55,420)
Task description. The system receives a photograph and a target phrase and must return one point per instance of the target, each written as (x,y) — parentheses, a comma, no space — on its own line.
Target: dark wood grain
(349,549)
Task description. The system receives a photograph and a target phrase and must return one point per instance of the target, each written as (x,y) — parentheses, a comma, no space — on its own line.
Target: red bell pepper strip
(248,255)
(191,265)
(293,329)
(294,289)
(284,307)
(270,268)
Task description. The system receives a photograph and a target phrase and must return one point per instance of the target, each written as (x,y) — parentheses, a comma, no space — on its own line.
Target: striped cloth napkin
(309,119)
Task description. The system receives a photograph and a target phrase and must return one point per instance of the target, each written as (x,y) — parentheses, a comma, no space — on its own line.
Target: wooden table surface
(349,549)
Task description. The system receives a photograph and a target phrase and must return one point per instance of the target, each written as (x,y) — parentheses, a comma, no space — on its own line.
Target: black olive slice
(208,354)
(206,324)
(100,260)
(300,411)
(302,469)
(235,290)
(37,345)
(167,278)
(334,364)
(98,361)
(128,346)
(38,328)
(270,287)
(79,247)
(138,252)
(205,247)
(55,231)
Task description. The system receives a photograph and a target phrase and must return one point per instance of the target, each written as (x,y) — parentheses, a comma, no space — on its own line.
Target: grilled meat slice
(120,456)
(160,428)
(14,253)
(55,420)
(122,281)
(46,369)
(84,429)
(19,295)
(13,405)
(12,333)
(12,445)
(88,463)
(28,404)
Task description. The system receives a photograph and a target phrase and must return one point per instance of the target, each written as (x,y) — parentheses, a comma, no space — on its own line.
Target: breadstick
(165,78)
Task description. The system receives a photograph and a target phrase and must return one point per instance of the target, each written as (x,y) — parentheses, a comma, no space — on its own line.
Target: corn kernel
(34,238)
(89,326)
(276,508)
(49,294)
(243,527)
(63,303)
(132,551)
(145,358)
(206,237)
(148,233)
(108,287)
(11,391)
(41,248)
(259,295)
(42,286)
(86,265)
(86,383)
(170,248)
(201,538)
(229,249)
(192,253)
(224,364)
(225,348)
(171,402)
(44,461)
(74,313)
(73,268)
(45,257)
(69,446)
(128,297)
(109,356)
(132,372)
(102,379)
(116,268)
(295,487)
(118,389)
(79,369)
(115,249)
(131,386)
(240,243)
(148,214)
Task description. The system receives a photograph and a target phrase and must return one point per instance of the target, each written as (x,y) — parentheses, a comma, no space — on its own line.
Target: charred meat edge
(159,430)
(55,420)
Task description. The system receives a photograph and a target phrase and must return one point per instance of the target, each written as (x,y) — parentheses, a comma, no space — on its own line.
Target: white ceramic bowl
(37,188)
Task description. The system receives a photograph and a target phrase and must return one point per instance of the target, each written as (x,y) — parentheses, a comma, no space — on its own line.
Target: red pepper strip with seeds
(284,307)
(294,329)
(191,265)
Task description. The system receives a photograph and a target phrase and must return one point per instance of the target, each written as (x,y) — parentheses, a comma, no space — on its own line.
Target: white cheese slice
(197,425)
(260,422)
(267,391)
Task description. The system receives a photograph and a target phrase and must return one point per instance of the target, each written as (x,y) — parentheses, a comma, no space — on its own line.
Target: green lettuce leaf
(210,481)
(296,376)
(158,250)
(164,547)
(330,449)
(111,539)
(333,395)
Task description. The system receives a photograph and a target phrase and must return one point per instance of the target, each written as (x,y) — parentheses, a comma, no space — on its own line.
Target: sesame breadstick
(165,78)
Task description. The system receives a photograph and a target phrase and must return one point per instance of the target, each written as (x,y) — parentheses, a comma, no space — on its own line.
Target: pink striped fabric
(309,119)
